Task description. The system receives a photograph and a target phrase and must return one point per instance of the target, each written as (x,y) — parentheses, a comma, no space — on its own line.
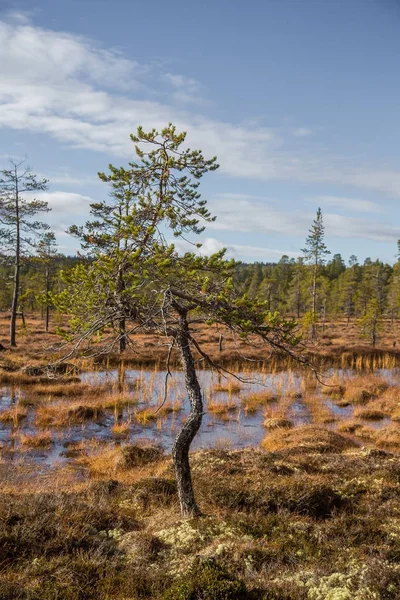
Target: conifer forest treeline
(342,290)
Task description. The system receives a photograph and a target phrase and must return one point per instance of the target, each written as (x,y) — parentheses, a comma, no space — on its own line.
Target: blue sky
(299,99)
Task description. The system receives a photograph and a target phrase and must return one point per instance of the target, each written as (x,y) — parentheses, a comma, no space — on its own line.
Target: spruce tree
(314,253)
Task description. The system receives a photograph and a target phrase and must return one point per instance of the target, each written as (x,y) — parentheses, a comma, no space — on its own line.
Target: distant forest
(342,290)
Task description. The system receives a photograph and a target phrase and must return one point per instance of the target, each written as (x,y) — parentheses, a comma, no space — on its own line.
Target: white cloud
(302,132)
(350,204)
(241,214)
(237,251)
(65,86)
(67,203)
(67,208)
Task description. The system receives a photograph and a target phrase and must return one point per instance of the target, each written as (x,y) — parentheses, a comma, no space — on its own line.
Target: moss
(208,581)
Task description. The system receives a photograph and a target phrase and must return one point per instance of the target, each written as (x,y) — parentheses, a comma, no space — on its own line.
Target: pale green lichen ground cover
(288,525)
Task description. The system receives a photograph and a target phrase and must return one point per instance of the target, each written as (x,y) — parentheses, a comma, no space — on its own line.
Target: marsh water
(145,389)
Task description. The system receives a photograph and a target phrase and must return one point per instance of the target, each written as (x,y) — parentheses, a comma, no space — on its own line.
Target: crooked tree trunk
(180,450)
(122,335)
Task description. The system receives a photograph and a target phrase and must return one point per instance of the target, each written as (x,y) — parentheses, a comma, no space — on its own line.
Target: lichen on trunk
(181,447)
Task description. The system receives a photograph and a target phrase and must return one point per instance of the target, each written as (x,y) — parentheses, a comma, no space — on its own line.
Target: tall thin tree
(314,252)
(46,253)
(19,230)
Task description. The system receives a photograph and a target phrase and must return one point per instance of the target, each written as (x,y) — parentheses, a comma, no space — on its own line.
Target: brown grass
(13,415)
(320,412)
(388,437)
(41,439)
(369,414)
(277,423)
(230,387)
(146,415)
(308,438)
(276,525)
(121,429)
(115,459)
(63,389)
(255,400)
(64,414)
(221,408)
(361,389)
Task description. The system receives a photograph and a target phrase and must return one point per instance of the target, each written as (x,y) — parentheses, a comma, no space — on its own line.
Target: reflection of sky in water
(141,389)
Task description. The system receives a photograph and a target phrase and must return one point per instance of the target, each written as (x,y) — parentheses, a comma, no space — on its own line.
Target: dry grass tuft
(63,389)
(112,460)
(42,439)
(230,387)
(64,414)
(254,401)
(221,408)
(13,415)
(369,414)
(278,423)
(361,389)
(307,438)
(388,437)
(121,429)
(146,415)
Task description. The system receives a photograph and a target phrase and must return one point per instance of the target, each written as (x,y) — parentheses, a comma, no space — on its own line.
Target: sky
(299,100)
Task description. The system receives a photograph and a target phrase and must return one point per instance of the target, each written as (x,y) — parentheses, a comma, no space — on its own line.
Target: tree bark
(47,314)
(122,335)
(180,450)
(314,303)
(17,266)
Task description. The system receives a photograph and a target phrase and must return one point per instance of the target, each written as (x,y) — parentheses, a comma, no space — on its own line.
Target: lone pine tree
(164,292)
(314,252)
(19,230)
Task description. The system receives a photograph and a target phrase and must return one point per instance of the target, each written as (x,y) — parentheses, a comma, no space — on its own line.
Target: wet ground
(236,428)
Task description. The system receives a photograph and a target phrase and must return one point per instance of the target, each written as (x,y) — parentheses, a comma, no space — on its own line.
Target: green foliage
(207,580)
(315,248)
(370,324)
(137,277)
(19,229)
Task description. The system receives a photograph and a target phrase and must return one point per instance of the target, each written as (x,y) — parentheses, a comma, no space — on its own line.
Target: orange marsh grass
(13,415)
(255,400)
(42,439)
(320,412)
(64,414)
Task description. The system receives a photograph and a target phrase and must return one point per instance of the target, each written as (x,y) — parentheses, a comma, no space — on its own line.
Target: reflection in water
(137,391)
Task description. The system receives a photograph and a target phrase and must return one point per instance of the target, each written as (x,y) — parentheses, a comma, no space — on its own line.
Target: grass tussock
(42,439)
(221,408)
(388,437)
(152,413)
(277,423)
(361,389)
(307,438)
(13,415)
(116,459)
(231,387)
(70,390)
(254,401)
(369,413)
(320,413)
(65,414)
(121,429)
(276,526)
